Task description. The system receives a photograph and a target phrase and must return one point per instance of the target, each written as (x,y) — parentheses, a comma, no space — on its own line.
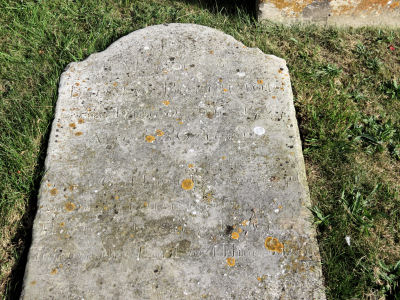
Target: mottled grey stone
(174,171)
(354,13)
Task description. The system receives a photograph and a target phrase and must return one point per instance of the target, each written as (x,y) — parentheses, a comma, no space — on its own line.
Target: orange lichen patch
(33,282)
(89,109)
(225,90)
(260,81)
(211,52)
(290,5)
(240,230)
(81,121)
(54,271)
(53,191)
(145,204)
(105,207)
(79,133)
(187,184)
(180,228)
(150,138)
(77,84)
(166,102)
(62,224)
(58,125)
(245,223)
(115,83)
(209,197)
(235,235)
(393,5)
(273,97)
(273,244)
(89,89)
(132,235)
(280,207)
(159,132)
(180,122)
(116,197)
(220,79)
(69,206)
(75,95)
(72,125)
(231,261)
(190,165)
(261,278)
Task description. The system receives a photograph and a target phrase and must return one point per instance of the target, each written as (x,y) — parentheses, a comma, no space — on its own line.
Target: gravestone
(332,12)
(174,171)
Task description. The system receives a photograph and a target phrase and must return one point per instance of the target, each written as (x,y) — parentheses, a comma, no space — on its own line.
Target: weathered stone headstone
(174,171)
(332,12)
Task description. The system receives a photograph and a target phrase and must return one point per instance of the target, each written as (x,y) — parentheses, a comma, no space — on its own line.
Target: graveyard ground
(346,84)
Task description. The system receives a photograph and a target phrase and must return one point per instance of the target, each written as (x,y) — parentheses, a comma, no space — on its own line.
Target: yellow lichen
(145,204)
(211,52)
(230,261)
(235,235)
(187,184)
(240,230)
(225,90)
(166,102)
(81,121)
(79,133)
(190,165)
(273,244)
(53,191)
(223,157)
(159,132)
(115,83)
(260,81)
(245,222)
(150,138)
(33,282)
(54,271)
(62,224)
(72,125)
(75,95)
(69,206)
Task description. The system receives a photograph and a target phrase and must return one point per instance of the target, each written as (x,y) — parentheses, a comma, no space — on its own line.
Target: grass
(347,95)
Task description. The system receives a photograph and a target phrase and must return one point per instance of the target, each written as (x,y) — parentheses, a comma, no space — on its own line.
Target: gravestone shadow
(229,7)
(24,233)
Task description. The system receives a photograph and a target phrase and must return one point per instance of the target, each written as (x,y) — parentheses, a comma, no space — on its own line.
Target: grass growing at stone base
(347,91)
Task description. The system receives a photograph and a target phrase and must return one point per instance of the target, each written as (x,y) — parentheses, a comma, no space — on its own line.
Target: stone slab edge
(332,13)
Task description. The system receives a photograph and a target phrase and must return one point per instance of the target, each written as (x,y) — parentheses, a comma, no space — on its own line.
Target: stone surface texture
(332,12)
(174,171)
